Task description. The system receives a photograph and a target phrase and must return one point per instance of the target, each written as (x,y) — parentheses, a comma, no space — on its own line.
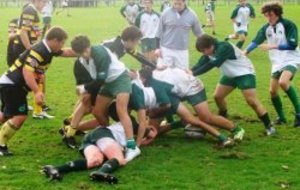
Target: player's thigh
(203,111)
(93,156)
(122,100)
(222,91)
(101,105)
(111,149)
(287,75)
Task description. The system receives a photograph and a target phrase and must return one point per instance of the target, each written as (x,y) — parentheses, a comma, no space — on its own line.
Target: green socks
(131,144)
(292,94)
(235,130)
(170,118)
(266,120)
(221,138)
(240,44)
(77,165)
(109,166)
(278,107)
(176,125)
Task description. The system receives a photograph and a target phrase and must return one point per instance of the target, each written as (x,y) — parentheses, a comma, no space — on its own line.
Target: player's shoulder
(40,49)
(287,22)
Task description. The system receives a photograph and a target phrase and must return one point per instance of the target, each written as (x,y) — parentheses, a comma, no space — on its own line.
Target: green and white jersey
(130,12)
(148,23)
(285,32)
(108,66)
(210,7)
(184,84)
(230,59)
(242,15)
(142,97)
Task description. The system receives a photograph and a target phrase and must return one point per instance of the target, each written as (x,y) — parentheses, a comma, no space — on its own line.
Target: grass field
(172,161)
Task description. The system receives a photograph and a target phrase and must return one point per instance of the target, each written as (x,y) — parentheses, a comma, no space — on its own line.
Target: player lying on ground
(237,72)
(189,88)
(100,144)
(169,103)
(22,77)
(282,41)
(240,18)
(85,75)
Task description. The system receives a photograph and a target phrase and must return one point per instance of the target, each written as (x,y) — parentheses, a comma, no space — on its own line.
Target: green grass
(171,162)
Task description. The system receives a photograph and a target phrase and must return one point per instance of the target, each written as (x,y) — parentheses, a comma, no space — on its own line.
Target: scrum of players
(113,94)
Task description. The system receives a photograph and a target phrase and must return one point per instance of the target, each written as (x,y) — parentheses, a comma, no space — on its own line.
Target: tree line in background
(96,3)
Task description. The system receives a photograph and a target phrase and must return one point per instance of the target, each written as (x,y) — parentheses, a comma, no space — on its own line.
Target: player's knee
(252,102)
(121,161)
(94,161)
(284,84)
(218,97)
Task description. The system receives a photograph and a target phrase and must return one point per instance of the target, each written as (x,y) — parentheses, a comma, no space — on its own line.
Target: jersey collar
(46,45)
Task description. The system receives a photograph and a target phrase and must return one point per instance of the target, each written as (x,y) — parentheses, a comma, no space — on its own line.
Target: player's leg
(223,89)
(285,84)
(115,158)
(14,110)
(276,100)
(93,158)
(100,109)
(242,39)
(188,117)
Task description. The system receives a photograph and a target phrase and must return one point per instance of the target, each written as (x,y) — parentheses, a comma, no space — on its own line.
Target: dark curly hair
(274,7)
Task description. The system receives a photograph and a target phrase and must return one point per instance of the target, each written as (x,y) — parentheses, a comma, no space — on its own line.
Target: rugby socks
(292,94)
(170,118)
(278,107)
(70,131)
(236,130)
(266,120)
(109,166)
(7,131)
(37,109)
(176,125)
(72,166)
(131,143)
(221,138)
(240,44)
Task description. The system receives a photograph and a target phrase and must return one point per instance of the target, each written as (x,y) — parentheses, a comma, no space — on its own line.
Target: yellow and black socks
(278,107)
(7,131)
(70,131)
(266,120)
(37,109)
(109,166)
(77,165)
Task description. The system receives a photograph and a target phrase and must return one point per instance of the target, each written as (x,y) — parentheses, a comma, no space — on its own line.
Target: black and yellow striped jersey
(37,60)
(29,21)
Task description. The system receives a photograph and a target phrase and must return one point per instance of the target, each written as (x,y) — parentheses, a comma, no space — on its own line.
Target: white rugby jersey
(148,23)
(242,15)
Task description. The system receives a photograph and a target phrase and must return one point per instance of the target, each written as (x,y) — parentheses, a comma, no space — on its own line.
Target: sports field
(172,161)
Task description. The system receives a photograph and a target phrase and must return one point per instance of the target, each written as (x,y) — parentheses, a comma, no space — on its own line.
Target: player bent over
(237,72)
(115,85)
(282,41)
(22,77)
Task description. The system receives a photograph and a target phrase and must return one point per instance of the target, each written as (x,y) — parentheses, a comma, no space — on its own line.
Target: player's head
(130,2)
(13,25)
(179,5)
(131,36)
(243,2)
(145,74)
(148,4)
(81,45)
(272,11)
(39,4)
(205,44)
(56,38)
